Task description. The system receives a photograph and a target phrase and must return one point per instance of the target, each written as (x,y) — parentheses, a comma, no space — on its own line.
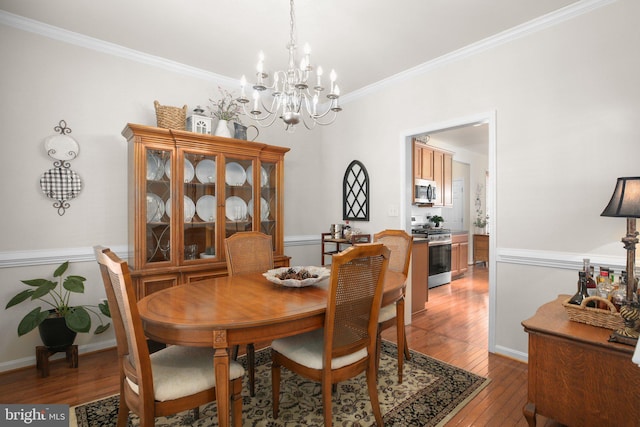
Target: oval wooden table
(233,310)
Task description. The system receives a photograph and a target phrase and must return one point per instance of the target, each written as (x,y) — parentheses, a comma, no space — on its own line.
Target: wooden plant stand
(43,354)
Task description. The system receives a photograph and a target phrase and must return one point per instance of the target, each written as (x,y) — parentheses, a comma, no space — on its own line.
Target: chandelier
(295,93)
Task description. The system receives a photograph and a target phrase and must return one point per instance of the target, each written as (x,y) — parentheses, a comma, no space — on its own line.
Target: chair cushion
(307,349)
(387,312)
(181,371)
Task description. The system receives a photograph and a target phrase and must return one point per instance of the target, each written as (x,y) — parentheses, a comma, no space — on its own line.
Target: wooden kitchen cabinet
(576,376)
(419,275)
(459,254)
(422,161)
(190,191)
(481,248)
(435,165)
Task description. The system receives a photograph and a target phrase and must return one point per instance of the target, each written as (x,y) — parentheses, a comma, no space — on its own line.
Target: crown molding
(538,24)
(533,26)
(108,48)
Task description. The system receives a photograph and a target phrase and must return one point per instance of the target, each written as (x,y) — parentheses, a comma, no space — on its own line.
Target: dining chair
(249,252)
(400,243)
(346,346)
(168,381)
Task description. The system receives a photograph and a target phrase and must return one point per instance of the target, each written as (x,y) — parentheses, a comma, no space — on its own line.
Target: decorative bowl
(321,273)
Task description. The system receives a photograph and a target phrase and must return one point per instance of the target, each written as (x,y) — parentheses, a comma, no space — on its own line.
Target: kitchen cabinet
(190,191)
(422,161)
(459,254)
(481,248)
(576,376)
(419,275)
(435,165)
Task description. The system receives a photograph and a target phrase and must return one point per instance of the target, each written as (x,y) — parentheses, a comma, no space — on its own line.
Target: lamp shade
(625,201)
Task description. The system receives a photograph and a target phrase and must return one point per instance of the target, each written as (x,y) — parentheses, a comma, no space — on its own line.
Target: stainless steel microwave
(424,191)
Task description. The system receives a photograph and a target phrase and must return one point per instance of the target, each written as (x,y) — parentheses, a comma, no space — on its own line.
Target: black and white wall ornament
(61,183)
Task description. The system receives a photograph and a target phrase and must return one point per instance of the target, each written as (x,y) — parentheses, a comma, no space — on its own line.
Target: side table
(576,376)
(44,353)
(326,238)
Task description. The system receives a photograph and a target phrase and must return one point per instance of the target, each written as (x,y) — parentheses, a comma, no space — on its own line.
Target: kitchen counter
(456,232)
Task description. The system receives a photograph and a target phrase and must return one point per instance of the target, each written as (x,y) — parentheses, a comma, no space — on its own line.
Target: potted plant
(437,219)
(226,109)
(481,222)
(55,294)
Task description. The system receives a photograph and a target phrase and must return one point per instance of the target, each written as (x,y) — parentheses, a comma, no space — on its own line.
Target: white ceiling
(365,41)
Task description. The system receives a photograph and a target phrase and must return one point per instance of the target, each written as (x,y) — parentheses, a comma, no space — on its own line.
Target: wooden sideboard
(577,377)
(481,248)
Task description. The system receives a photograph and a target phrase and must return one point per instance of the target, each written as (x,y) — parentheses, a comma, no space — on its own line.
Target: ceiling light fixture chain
(292,99)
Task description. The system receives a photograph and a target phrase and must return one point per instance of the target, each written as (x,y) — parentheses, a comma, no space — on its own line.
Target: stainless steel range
(439,250)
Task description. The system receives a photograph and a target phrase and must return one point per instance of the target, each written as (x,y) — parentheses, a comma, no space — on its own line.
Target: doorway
(485,125)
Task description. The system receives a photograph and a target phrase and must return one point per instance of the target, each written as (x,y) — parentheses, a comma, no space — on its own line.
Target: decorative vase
(223,129)
(55,334)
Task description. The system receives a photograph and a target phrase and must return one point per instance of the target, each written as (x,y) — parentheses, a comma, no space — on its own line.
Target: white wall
(565,98)
(566,102)
(44,81)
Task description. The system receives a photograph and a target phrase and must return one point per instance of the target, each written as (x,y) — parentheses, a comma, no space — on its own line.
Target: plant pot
(55,334)
(222,129)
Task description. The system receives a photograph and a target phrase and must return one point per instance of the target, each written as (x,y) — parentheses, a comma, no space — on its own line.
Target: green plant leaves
(20,297)
(31,321)
(100,329)
(74,284)
(104,309)
(61,269)
(43,290)
(77,319)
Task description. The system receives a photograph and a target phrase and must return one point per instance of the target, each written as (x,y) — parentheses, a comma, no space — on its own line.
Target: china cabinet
(190,191)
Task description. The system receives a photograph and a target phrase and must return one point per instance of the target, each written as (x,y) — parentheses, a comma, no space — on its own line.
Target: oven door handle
(440,243)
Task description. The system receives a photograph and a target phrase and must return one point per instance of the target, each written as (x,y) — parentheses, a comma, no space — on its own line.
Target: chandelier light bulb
(256,100)
(243,83)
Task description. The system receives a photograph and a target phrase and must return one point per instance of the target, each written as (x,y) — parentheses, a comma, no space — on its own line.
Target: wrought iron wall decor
(355,193)
(61,183)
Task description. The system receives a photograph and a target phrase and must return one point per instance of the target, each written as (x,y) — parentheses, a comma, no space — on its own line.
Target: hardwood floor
(452,329)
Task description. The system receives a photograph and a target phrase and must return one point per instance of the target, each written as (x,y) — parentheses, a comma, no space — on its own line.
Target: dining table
(226,311)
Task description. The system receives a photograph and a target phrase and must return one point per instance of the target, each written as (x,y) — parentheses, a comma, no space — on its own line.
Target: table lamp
(625,203)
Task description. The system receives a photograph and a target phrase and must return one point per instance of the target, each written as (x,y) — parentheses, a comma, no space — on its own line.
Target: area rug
(431,393)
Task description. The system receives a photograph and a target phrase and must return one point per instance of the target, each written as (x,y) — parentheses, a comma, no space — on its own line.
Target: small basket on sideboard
(608,319)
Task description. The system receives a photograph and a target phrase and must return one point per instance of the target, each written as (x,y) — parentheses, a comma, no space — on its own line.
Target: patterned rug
(431,393)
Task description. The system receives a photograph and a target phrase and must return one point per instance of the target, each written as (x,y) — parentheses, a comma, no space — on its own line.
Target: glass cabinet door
(158,224)
(268,209)
(200,206)
(238,203)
